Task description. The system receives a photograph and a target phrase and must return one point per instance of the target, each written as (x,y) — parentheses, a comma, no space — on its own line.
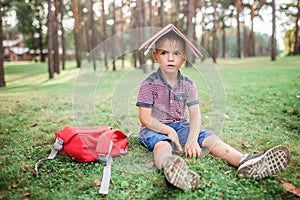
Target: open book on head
(149,44)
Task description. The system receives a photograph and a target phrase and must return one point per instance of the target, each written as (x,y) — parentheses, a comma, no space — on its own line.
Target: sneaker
(178,174)
(261,165)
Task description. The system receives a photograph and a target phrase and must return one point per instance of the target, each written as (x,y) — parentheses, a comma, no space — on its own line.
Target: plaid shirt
(169,105)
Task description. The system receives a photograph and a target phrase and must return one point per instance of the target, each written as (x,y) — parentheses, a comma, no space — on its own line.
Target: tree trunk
(87,26)
(296,44)
(140,22)
(122,37)
(55,39)
(76,32)
(151,25)
(273,39)
(191,6)
(214,32)
(63,40)
(113,32)
(2,79)
(133,19)
(238,32)
(104,31)
(203,34)
(162,13)
(93,43)
(251,38)
(246,42)
(50,40)
(223,40)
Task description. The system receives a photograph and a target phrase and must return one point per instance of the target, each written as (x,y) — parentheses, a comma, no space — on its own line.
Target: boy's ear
(185,55)
(154,54)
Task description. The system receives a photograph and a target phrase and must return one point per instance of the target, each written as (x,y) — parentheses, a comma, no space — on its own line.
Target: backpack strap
(57,146)
(107,169)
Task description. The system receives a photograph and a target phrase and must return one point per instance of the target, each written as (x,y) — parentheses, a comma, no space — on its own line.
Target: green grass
(262,110)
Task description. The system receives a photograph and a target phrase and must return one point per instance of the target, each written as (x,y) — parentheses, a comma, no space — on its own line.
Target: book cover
(148,45)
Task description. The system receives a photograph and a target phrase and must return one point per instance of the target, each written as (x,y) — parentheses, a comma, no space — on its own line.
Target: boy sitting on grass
(163,101)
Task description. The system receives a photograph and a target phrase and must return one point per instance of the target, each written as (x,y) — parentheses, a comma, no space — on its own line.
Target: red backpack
(87,144)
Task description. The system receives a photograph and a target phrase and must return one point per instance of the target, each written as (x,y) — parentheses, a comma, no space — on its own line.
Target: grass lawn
(262,110)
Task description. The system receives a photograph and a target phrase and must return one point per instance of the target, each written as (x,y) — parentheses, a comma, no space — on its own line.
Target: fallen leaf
(226,116)
(34,125)
(97,182)
(290,188)
(26,195)
(204,104)
(227,172)
(150,164)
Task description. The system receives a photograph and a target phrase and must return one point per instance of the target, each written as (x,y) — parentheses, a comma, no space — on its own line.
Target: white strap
(55,149)
(106,171)
(105,179)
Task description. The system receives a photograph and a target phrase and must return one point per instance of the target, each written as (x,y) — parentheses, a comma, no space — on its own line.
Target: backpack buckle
(107,159)
(58,144)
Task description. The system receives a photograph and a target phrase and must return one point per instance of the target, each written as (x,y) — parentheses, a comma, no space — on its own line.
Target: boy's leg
(264,164)
(219,148)
(256,165)
(161,151)
(174,167)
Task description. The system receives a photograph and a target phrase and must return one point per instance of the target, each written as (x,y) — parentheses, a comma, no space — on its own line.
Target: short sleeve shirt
(169,104)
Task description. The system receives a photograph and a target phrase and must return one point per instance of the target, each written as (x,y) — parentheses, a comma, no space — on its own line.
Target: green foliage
(262,111)
(32,18)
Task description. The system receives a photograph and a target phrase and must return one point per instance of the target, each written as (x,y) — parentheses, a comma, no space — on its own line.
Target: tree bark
(162,13)
(103,17)
(214,32)
(246,42)
(203,34)
(150,23)
(50,40)
(238,32)
(55,38)
(273,39)
(76,32)
(251,38)
(87,26)
(191,6)
(223,39)
(63,39)
(140,22)
(296,44)
(93,36)
(113,32)
(2,79)
(122,38)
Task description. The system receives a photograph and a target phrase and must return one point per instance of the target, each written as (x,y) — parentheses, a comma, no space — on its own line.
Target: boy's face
(170,55)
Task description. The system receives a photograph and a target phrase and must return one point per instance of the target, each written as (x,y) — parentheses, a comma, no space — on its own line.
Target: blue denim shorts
(149,138)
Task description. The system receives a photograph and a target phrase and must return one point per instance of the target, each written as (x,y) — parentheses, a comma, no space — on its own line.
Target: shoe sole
(179,175)
(271,162)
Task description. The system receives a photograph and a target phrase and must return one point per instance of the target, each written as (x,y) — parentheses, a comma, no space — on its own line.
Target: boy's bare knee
(211,142)
(162,145)
(161,150)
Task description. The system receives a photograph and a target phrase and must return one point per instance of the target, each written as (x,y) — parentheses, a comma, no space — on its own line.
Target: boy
(164,99)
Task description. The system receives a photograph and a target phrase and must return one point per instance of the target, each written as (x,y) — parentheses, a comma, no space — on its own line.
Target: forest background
(258,74)
(223,28)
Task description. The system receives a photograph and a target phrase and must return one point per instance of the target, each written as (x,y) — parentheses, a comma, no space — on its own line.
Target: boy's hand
(192,150)
(174,137)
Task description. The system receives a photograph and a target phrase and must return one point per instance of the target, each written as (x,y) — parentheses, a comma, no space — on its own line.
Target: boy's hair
(171,36)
